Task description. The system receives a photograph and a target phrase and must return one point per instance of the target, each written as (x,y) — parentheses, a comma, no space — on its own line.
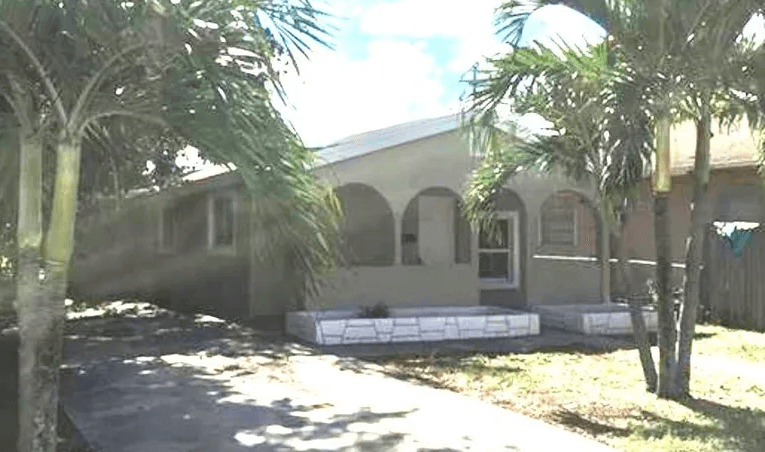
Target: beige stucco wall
(399,174)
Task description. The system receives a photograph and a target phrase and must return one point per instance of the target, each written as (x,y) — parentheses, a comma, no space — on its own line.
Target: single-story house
(406,241)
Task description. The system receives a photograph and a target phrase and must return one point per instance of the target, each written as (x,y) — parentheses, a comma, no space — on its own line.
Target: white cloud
(755,29)
(400,79)
(425,18)
(559,24)
(471,26)
(335,96)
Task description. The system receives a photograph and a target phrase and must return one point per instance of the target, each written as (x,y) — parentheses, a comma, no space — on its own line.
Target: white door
(436,230)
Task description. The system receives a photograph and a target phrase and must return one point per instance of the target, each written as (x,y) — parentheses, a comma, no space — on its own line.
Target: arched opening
(567,225)
(502,253)
(433,229)
(368,227)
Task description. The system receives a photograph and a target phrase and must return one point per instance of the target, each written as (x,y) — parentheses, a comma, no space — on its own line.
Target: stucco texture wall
(735,194)
(119,255)
(442,164)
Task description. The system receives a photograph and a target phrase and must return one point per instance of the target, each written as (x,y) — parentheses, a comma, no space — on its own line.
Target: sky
(396,61)
(400,60)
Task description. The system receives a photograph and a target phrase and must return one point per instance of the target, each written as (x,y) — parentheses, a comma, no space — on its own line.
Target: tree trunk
(41,322)
(605,254)
(42,315)
(693,253)
(667,326)
(667,323)
(37,403)
(639,330)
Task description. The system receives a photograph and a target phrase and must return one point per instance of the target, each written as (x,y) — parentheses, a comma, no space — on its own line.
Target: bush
(378,311)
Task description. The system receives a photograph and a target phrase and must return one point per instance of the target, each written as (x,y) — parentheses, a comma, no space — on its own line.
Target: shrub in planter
(378,311)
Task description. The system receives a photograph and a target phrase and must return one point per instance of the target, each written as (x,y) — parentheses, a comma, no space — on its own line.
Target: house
(405,240)
(735,193)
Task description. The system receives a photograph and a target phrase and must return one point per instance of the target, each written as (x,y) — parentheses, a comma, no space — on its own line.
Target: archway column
(398,217)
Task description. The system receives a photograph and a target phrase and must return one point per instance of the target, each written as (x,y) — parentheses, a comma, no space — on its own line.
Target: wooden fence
(733,285)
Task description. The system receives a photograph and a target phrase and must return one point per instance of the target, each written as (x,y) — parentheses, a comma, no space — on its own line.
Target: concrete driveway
(145,381)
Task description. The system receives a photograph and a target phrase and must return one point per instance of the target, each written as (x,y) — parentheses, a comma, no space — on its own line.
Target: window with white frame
(498,252)
(557,224)
(167,229)
(221,221)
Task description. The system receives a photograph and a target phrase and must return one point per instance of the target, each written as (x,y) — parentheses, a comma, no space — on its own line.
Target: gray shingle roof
(368,142)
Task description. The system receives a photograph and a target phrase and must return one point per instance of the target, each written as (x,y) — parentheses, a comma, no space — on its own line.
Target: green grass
(603,395)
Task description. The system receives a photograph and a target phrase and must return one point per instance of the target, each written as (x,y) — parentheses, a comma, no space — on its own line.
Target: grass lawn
(603,395)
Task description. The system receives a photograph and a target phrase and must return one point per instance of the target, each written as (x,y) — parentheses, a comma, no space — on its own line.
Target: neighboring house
(735,193)
(405,239)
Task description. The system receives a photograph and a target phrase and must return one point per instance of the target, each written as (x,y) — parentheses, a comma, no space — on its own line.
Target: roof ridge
(414,122)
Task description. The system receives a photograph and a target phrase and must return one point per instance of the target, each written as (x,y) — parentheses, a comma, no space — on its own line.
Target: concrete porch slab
(594,319)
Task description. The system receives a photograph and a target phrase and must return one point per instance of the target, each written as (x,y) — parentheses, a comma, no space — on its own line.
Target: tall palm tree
(665,42)
(725,90)
(201,69)
(599,133)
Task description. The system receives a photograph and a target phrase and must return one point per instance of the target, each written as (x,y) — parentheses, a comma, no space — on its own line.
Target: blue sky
(400,60)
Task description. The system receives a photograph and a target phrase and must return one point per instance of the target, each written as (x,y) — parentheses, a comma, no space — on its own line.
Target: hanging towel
(738,239)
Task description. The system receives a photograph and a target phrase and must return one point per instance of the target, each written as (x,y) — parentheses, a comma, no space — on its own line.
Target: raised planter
(596,319)
(332,327)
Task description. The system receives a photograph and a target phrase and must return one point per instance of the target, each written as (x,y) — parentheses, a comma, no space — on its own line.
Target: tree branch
(127,113)
(58,106)
(93,82)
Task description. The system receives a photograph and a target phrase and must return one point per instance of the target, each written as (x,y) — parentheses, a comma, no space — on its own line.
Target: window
(167,229)
(221,218)
(558,222)
(498,253)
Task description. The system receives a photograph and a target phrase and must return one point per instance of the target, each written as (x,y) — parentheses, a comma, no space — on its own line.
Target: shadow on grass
(738,429)
(578,422)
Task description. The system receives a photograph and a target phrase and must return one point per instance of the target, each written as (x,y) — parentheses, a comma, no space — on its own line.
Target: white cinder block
(405,330)
(432,323)
(433,335)
(471,323)
(533,324)
(361,322)
(333,340)
(384,326)
(359,332)
(405,338)
(496,327)
(332,327)
(471,334)
(519,321)
(451,332)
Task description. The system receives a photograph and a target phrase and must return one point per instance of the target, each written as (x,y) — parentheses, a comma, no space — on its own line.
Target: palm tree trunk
(639,330)
(37,414)
(667,331)
(42,319)
(667,325)
(693,253)
(605,254)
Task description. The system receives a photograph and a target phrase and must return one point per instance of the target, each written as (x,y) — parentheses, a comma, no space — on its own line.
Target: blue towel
(738,240)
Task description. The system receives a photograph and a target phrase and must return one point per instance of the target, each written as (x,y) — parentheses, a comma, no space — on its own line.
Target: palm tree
(201,69)
(725,90)
(680,35)
(599,133)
